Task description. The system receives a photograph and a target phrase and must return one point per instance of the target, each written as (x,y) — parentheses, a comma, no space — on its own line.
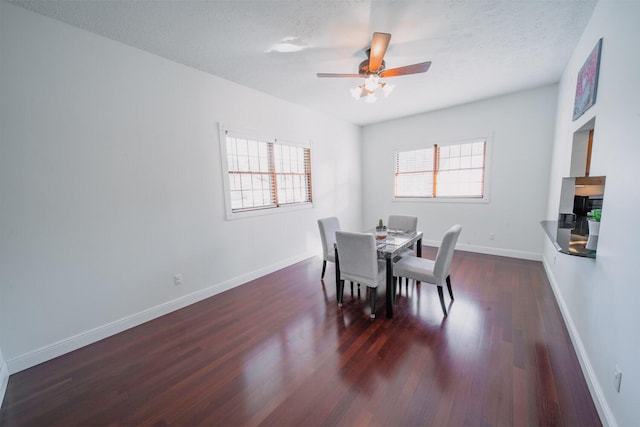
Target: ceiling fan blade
(407,69)
(338,75)
(379,44)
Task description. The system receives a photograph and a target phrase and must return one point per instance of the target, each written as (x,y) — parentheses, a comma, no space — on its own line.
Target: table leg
(418,254)
(389,297)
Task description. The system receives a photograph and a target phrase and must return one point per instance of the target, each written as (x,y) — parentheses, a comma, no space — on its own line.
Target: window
(263,174)
(442,171)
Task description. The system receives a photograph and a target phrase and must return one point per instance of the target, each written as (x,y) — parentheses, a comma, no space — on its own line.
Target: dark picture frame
(587,84)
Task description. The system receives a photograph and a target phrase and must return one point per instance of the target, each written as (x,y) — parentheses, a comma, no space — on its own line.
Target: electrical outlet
(177,279)
(617,378)
(492,236)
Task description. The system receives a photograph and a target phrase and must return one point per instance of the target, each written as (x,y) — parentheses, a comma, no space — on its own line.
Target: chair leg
(324,267)
(449,287)
(441,295)
(395,286)
(373,292)
(406,285)
(340,293)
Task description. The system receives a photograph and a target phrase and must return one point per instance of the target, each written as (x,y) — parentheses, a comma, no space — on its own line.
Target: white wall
(110,183)
(520,129)
(599,298)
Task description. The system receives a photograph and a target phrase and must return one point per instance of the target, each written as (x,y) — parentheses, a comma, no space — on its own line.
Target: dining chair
(328,227)
(359,263)
(404,223)
(438,271)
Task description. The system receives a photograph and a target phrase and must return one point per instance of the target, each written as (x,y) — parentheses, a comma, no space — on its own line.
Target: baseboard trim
(75,342)
(4,380)
(532,256)
(606,415)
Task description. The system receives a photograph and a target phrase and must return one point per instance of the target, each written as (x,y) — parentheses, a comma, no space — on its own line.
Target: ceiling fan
(373,68)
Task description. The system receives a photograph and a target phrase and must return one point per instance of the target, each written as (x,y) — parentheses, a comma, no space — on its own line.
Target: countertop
(571,237)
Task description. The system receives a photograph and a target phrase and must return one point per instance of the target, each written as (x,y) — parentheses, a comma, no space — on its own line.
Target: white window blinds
(266,174)
(454,170)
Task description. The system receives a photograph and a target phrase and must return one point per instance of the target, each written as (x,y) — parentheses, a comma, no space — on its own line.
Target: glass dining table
(388,248)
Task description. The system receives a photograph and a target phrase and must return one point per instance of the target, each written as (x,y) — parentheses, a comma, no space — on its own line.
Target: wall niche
(581,197)
(581,151)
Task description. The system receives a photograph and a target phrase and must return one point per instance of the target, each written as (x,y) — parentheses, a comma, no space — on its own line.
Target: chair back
(328,227)
(442,267)
(358,258)
(403,222)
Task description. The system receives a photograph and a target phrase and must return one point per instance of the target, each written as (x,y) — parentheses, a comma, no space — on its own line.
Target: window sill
(267,211)
(471,200)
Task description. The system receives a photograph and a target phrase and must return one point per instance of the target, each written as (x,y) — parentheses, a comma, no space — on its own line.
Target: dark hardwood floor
(278,351)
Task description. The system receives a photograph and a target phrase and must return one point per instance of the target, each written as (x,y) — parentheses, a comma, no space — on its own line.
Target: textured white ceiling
(478,48)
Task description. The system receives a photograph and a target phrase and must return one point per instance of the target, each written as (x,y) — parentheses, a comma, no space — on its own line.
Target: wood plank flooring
(278,351)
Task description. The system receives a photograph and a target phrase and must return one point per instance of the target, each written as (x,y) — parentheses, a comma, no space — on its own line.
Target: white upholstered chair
(404,223)
(438,271)
(358,261)
(328,227)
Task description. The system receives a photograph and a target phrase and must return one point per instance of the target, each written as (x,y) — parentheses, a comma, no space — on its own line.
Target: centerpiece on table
(381,230)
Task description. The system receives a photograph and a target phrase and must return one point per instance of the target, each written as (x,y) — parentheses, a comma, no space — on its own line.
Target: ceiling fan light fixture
(356,92)
(387,88)
(371,82)
(370,98)
(367,89)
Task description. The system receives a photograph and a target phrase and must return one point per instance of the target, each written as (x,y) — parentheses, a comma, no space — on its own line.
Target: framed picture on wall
(587,84)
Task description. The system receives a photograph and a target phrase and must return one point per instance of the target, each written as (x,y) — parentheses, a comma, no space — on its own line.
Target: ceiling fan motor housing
(364,68)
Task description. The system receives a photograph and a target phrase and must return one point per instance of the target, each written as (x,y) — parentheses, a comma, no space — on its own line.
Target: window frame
(448,199)
(230,212)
